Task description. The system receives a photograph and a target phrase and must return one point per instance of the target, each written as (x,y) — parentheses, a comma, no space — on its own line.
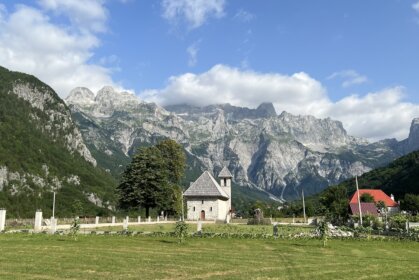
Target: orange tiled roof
(377,195)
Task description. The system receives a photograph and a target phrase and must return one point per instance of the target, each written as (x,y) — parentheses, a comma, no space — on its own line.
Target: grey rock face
(412,143)
(60,123)
(277,153)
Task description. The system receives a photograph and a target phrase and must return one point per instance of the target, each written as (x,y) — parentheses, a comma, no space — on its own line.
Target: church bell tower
(225,183)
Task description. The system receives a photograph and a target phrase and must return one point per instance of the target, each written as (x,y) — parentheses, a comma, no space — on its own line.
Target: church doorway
(202,215)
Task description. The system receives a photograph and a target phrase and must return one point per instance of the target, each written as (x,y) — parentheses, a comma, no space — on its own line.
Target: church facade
(206,199)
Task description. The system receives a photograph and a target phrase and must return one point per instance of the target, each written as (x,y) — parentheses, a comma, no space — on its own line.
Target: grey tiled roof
(225,173)
(206,186)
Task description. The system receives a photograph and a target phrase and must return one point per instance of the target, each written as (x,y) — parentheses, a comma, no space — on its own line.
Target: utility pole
(359,201)
(304,205)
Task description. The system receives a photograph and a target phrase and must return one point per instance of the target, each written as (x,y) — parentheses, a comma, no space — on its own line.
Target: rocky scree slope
(279,154)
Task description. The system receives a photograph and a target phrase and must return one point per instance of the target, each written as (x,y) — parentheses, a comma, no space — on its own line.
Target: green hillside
(399,177)
(33,148)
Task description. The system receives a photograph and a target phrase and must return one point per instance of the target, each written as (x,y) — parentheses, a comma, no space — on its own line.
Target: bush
(263,221)
(398,222)
(181,230)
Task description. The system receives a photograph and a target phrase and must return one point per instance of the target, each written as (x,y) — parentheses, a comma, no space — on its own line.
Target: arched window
(211,209)
(194,208)
(202,202)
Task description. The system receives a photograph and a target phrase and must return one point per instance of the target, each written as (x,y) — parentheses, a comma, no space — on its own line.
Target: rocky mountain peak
(412,143)
(266,110)
(81,96)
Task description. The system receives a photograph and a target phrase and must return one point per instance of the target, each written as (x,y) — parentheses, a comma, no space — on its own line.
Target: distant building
(208,200)
(371,208)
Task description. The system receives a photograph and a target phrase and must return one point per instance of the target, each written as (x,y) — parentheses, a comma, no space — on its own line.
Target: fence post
(149,219)
(38,221)
(97,220)
(158,219)
(125,224)
(2,219)
(53,226)
(139,219)
(113,219)
(199,227)
(127,218)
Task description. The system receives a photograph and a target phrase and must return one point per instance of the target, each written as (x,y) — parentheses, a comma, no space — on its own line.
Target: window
(211,209)
(225,182)
(194,208)
(202,202)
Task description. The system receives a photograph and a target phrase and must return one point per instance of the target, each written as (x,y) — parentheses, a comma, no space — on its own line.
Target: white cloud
(58,54)
(349,77)
(86,14)
(223,84)
(415,6)
(194,12)
(192,51)
(244,16)
(374,116)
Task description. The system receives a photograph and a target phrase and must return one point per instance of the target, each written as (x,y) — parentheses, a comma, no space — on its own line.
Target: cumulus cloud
(349,77)
(30,42)
(194,12)
(374,116)
(86,14)
(415,6)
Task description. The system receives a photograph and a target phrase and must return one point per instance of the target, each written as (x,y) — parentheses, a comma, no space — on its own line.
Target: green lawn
(138,257)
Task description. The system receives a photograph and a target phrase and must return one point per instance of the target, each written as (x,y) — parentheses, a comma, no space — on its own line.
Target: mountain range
(79,147)
(276,154)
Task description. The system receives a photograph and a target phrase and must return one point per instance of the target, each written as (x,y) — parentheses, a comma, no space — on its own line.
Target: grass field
(212,228)
(133,257)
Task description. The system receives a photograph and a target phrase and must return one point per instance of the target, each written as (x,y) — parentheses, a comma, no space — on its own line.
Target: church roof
(206,186)
(225,173)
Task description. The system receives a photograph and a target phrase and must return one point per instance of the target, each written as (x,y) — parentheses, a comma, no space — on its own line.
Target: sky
(355,61)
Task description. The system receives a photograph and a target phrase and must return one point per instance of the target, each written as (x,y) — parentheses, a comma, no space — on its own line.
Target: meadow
(42,256)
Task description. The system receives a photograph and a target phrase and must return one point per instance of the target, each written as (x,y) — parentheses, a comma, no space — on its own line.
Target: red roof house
(377,195)
(371,208)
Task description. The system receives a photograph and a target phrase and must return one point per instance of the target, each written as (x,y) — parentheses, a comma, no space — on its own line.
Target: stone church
(208,200)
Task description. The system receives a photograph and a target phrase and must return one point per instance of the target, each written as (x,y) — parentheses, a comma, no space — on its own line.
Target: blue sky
(356,61)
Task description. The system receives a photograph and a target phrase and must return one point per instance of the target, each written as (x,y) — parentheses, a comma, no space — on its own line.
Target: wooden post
(359,201)
(139,219)
(113,219)
(304,206)
(97,220)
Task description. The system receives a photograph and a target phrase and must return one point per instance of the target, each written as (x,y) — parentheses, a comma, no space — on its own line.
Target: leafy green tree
(410,203)
(175,163)
(335,201)
(152,179)
(366,197)
(144,181)
(175,159)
